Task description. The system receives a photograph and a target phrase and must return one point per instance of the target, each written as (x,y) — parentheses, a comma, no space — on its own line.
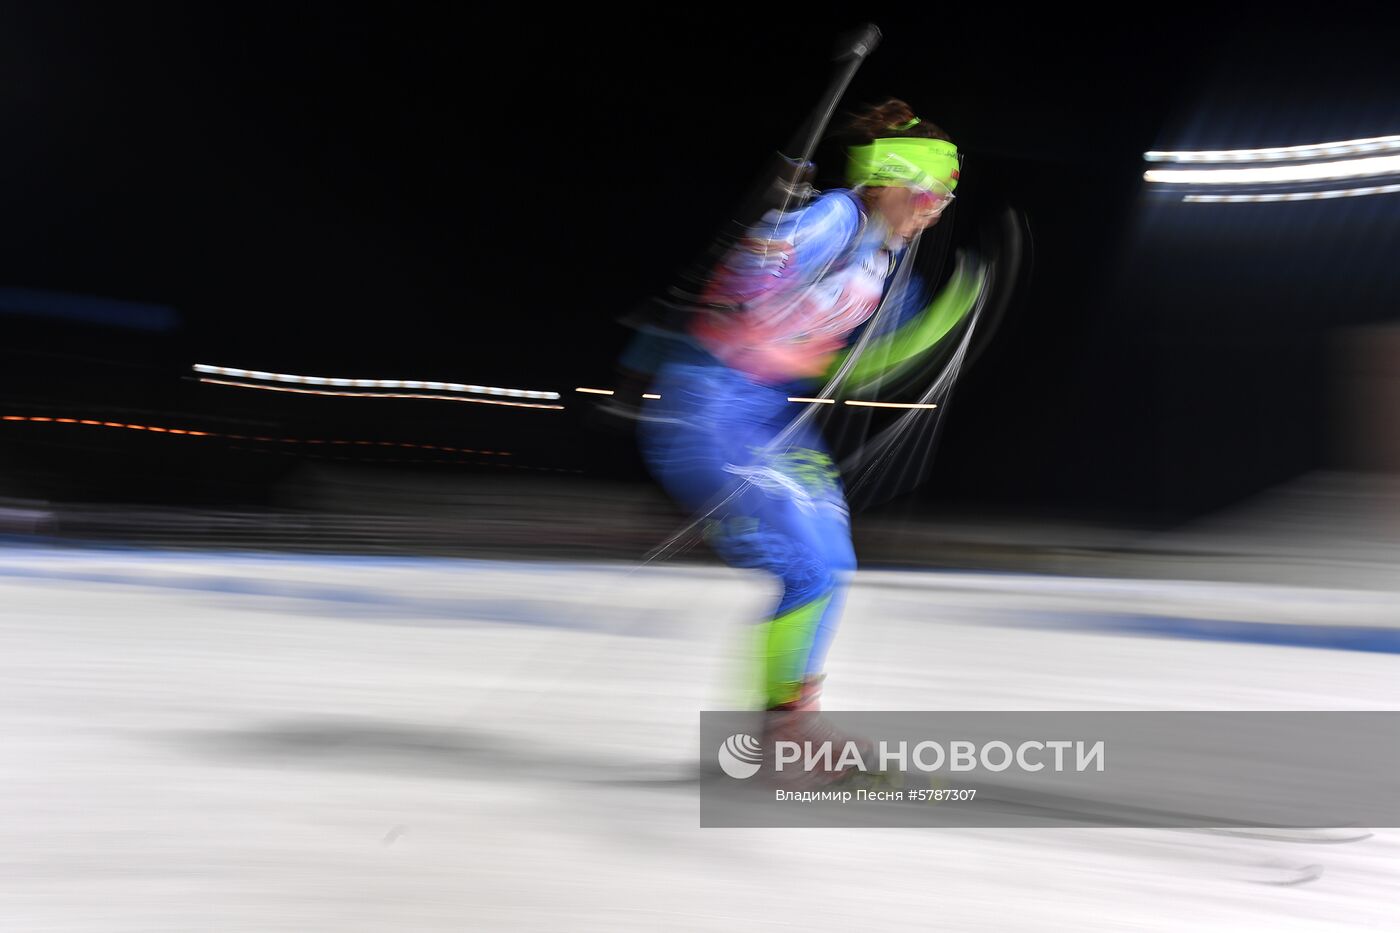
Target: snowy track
(198,742)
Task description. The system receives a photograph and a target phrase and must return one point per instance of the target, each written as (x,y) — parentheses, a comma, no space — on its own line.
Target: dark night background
(433,192)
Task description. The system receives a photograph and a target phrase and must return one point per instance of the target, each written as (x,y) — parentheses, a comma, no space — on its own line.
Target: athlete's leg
(783,511)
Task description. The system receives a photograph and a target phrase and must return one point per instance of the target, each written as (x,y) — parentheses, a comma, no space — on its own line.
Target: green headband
(903,161)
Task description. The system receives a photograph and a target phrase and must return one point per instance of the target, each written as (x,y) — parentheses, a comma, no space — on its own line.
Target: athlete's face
(908,211)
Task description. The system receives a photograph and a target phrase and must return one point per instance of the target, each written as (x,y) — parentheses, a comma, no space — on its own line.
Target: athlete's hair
(890,120)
